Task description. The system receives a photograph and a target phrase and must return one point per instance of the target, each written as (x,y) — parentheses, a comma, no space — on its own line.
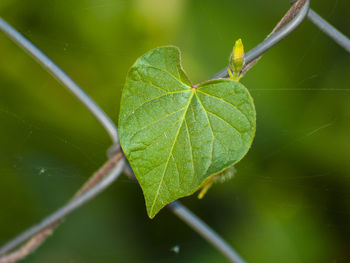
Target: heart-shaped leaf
(176,136)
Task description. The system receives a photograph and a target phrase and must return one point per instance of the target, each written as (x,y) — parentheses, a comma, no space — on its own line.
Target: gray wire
(329,30)
(205,231)
(65,210)
(197,225)
(111,129)
(272,40)
(62,77)
(178,209)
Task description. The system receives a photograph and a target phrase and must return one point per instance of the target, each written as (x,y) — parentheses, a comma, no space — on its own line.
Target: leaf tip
(153,207)
(151,212)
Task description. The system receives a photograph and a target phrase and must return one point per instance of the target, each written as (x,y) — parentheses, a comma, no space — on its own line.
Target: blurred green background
(290,199)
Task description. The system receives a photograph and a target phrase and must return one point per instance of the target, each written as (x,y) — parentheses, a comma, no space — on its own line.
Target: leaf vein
(190,143)
(153,99)
(154,122)
(160,69)
(225,101)
(151,84)
(211,130)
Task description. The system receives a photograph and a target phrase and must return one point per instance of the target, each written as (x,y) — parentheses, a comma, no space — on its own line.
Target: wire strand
(109,177)
(182,212)
(272,40)
(62,77)
(205,231)
(179,210)
(329,30)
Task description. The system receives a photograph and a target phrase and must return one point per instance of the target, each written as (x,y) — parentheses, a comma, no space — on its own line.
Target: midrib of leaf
(190,142)
(171,150)
(211,129)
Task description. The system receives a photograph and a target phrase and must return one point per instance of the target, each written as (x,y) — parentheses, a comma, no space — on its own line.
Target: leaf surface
(176,136)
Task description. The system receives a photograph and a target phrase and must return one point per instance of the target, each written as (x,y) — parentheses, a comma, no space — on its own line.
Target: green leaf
(177,136)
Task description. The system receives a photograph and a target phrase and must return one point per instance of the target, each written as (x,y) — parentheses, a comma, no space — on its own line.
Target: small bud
(237,60)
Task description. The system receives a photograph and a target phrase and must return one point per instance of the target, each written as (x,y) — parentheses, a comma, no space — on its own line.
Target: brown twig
(39,238)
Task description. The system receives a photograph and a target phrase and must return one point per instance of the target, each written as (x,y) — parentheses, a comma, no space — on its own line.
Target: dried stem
(39,238)
(30,246)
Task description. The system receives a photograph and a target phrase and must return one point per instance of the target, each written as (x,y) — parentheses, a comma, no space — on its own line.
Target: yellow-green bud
(237,60)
